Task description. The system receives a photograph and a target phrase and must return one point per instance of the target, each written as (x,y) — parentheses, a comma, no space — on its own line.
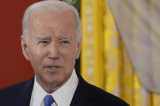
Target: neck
(50,87)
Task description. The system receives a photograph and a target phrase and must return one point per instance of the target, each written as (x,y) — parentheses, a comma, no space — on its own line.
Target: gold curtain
(104,60)
(92,42)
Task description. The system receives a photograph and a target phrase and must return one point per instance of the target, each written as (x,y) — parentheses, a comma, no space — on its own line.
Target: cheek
(35,56)
(70,55)
(70,51)
(33,52)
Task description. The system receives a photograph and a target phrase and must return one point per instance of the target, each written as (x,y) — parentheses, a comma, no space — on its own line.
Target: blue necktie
(48,100)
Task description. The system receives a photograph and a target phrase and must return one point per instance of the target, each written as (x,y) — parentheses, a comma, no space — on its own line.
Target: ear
(79,49)
(24,48)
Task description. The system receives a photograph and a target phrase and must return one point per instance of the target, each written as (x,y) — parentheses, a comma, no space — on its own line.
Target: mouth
(52,67)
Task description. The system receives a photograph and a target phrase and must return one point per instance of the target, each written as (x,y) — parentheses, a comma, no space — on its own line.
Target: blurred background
(120,47)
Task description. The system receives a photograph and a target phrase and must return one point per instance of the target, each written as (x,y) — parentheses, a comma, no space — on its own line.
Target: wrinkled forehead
(66,19)
(58,24)
(50,18)
(65,15)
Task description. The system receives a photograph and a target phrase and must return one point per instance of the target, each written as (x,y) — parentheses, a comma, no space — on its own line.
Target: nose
(53,51)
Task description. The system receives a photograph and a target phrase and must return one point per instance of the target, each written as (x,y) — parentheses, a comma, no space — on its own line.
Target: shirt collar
(62,96)
(38,94)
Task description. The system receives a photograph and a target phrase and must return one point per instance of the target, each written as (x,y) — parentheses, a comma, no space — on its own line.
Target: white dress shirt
(63,96)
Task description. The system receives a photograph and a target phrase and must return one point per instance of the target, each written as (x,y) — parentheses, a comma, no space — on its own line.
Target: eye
(44,42)
(65,41)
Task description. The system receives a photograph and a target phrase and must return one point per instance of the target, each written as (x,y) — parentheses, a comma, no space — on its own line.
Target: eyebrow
(66,37)
(43,38)
(49,38)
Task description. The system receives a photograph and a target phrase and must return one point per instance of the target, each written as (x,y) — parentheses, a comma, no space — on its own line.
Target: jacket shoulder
(17,88)
(11,89)
(18,94)
(102,97)
(94,96)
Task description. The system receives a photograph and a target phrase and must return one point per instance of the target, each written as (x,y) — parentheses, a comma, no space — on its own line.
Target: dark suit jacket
(85,95)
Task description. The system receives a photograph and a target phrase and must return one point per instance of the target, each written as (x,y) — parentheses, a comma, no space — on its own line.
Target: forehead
(52,22)
(48,17)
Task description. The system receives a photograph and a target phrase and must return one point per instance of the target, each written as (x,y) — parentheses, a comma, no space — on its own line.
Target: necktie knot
(48,100)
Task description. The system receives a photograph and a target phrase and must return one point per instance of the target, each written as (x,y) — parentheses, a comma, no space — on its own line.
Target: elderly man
(51,41)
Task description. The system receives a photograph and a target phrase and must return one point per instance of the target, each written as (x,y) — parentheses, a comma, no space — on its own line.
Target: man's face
(52,46)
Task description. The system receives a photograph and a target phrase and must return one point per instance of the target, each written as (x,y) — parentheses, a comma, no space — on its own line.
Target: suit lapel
(25,93)
(82,94)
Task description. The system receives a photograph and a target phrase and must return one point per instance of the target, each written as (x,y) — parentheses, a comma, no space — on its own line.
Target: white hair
(49,6)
